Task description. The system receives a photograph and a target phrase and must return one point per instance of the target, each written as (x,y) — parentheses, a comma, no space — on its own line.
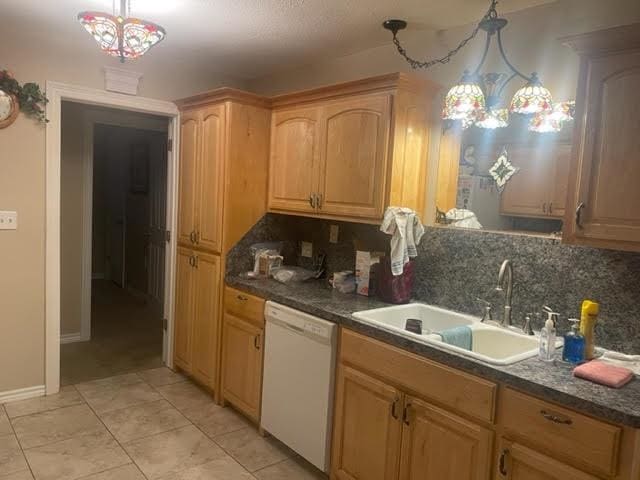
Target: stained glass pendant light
(121,35)
(475,99)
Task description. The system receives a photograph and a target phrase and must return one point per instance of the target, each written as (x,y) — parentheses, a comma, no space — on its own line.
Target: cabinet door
(184,309)
(560,184)
(367,428)
(354,157)
(189,153)
(242,364)
(437,445)
(605,173)
(206,273)
(210,178)
(293,168)
(526,193)
(517,462)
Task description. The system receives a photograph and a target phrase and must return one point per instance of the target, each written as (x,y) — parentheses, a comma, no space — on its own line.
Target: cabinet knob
(242,298)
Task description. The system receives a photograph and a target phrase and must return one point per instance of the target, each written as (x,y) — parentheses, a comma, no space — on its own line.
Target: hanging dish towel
(461,337)
(406,230)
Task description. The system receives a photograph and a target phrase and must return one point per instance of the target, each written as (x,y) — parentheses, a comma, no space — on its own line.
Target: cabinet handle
(544,207)
(192,260)
(319,201)
(405,414)
(192,236)
(242,298)
(195,261)
(197,236)
(256,342)
(579,215)
(551,208)
(312,200)
(394,414)
(556,418)
(503,462)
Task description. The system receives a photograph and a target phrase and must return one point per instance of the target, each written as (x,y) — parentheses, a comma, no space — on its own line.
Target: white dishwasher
(297,388)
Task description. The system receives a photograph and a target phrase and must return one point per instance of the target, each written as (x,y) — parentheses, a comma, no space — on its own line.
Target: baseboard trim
(72,338)
(22,394)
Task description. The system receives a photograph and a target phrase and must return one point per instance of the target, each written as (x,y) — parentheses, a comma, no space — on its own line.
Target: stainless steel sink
(491,343)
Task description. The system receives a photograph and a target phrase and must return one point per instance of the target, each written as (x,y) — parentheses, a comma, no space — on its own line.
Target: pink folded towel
(604,374)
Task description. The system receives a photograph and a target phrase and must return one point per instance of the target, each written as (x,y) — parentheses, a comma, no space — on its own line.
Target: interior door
(206,272)
(367,428)
(437,445)
(189,153)
(605,170)
(184,309)
(210,179)
(293,170)
(354,156)
(157,220)
(517,462)
(242,375)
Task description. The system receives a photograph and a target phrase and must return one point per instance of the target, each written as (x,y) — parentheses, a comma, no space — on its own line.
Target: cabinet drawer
(564,434)
(244,305)
(448,387)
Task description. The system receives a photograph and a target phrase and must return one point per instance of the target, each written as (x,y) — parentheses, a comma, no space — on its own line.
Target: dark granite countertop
(554,383)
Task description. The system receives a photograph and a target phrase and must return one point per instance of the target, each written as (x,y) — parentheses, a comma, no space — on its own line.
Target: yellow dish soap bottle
(588,320)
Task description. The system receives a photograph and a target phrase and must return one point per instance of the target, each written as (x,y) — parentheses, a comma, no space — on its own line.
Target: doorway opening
(114,191)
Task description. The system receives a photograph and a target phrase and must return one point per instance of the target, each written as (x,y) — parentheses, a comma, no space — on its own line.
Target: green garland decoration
(30,98)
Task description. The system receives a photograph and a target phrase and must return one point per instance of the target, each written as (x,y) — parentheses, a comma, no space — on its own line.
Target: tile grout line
(26,460)
(82,401)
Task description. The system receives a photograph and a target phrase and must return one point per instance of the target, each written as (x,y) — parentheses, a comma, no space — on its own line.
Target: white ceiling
(251,38)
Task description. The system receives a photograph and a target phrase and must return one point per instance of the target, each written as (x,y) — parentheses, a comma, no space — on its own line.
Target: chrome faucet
(506,270)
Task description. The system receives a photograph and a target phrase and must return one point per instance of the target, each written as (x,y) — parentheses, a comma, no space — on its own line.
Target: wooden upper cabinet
(605,170)
(210,178)
(294,159)
(189,155)
(539,188)
(184,309)
(354,157)
(206,273)
(437,445)
(349,151)
(367,428)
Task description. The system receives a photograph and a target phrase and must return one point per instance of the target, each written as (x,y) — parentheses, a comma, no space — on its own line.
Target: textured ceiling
(249,38)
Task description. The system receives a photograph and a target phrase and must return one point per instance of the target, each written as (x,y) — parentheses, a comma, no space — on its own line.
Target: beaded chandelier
(121,35)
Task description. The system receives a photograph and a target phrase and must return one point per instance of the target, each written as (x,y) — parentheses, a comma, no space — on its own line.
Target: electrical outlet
(8,220)
(306,249)
(333,233)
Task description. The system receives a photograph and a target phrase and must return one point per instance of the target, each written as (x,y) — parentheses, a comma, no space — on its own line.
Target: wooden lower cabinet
(380,433)
(518,462)
(439,445)
(242,365)
(197,315)
(367,428)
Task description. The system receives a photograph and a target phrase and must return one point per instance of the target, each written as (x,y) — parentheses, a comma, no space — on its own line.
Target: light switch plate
(306,249)
(333,233)
(8,220)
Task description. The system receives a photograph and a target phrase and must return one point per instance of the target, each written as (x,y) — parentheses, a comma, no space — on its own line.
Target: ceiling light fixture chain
(396,25)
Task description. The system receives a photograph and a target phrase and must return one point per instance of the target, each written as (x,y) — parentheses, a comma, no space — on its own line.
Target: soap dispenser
(574,344)
(548,338)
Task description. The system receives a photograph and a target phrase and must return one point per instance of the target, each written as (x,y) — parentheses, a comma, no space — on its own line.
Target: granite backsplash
(456,266)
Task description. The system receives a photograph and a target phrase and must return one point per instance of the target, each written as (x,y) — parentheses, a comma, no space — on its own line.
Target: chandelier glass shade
(532,98)
(119,36)
(464,100)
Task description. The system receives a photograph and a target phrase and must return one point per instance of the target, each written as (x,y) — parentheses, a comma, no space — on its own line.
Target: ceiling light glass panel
(493,118)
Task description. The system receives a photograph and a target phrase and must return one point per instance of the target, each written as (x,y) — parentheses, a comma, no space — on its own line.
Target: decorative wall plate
(502,170)
(9,109)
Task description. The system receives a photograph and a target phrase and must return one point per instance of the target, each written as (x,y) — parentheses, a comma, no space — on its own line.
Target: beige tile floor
(152,424)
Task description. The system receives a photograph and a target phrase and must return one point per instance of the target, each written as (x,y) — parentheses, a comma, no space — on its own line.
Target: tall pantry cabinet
(224,152)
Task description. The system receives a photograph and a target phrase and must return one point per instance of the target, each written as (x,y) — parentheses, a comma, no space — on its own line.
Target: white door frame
(92,118)
(56,93)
